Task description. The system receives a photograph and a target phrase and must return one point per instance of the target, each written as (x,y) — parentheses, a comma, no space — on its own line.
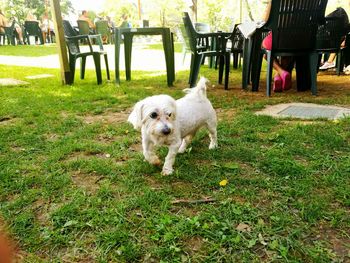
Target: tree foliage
(20,8)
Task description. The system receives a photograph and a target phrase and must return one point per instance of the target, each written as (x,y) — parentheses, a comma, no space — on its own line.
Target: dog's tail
(199,90)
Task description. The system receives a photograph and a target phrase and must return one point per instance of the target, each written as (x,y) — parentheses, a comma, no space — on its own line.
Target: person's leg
(282,80)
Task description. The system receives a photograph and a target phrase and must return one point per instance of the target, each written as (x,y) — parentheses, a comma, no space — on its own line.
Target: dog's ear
(136,116)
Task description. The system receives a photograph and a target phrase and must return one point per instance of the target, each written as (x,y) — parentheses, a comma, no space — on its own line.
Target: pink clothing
(267,42)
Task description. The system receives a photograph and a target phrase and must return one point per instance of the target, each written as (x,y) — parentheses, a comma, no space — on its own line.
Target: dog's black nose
(166,130)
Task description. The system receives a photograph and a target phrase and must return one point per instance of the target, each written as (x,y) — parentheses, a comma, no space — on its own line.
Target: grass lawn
(75,188)
(177,46)
(28,50)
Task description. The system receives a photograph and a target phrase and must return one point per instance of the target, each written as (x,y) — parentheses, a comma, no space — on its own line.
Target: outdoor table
(128,33)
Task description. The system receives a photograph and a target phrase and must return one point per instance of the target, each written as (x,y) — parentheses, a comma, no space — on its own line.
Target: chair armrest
(78,37)
(98,39)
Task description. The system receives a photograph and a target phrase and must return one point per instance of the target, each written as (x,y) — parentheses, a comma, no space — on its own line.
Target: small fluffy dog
(164,121)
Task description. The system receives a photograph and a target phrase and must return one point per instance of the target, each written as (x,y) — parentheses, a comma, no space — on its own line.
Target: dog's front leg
(148,151)
(170,158)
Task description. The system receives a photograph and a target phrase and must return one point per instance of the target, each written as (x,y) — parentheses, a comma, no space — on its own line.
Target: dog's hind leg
(185,141)
(148,152)
(211,125)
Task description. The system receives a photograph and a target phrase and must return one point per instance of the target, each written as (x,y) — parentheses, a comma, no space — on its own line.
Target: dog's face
(156,114)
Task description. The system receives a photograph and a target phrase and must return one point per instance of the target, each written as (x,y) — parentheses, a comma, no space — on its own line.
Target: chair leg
(269,72)
(339,62)
(107,68)
(97,60)
(235,60)
(82,67)
(72,68)
(313,72)
(221,67)
(196,66)
(227,69)
(255,74)
(191,68)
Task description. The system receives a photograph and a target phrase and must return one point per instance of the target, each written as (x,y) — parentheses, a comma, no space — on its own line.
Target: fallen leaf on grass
(243,227)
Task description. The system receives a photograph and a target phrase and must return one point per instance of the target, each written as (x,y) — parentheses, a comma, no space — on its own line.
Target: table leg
(128,49)
(169,56)
(245,69)
(117,54)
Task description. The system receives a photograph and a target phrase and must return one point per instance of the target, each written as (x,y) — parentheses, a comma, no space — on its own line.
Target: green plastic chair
(294,26)
(72,41)
(84,28)
(329,38)
(10,33)
(31,28)
(237,41)
(103,29)
(192,38)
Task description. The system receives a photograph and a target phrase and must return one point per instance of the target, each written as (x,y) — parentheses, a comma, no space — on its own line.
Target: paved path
(142,59)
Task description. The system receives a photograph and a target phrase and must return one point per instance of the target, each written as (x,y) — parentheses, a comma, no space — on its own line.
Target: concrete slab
(305,111)
(40,76)
(12,82)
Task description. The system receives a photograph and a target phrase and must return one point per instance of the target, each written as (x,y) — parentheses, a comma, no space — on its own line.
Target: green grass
(74,186)
(28,50)
(159,46)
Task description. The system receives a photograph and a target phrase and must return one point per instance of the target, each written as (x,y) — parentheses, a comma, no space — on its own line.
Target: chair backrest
(68,29)
(72,44)
(182,34)
(102,28)
(330,34)
(237,39)
(10,30)
(294,23)
(32,28)
(83,27)
(191,33)
(202,27)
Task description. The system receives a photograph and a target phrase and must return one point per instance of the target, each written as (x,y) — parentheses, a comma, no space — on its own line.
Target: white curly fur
(164,121)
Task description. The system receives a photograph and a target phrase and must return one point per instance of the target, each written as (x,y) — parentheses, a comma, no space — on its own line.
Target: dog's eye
(169,114)
(154,115)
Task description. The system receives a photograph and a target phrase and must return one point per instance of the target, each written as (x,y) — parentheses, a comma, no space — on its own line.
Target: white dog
(164,121)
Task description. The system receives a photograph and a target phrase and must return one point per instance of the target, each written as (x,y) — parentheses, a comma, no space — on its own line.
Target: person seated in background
(125,23)
(85,17)
(282,80)
(111,24)
(31,17)
(341,13)
(5,23)
(45,26)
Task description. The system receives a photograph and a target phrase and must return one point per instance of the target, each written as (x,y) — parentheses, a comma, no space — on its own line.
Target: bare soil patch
(87,181)
(107,118)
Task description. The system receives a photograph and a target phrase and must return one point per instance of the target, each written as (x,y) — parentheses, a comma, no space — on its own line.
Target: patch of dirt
(153,182)
(339,244)
(193,245)
(107,117)
(7,120)
(136,147)
(87,181)
(51,137)
(225,114)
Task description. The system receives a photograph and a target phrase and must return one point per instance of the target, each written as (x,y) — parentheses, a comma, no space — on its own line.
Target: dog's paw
(167,171)
(213,145)
(155,161)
